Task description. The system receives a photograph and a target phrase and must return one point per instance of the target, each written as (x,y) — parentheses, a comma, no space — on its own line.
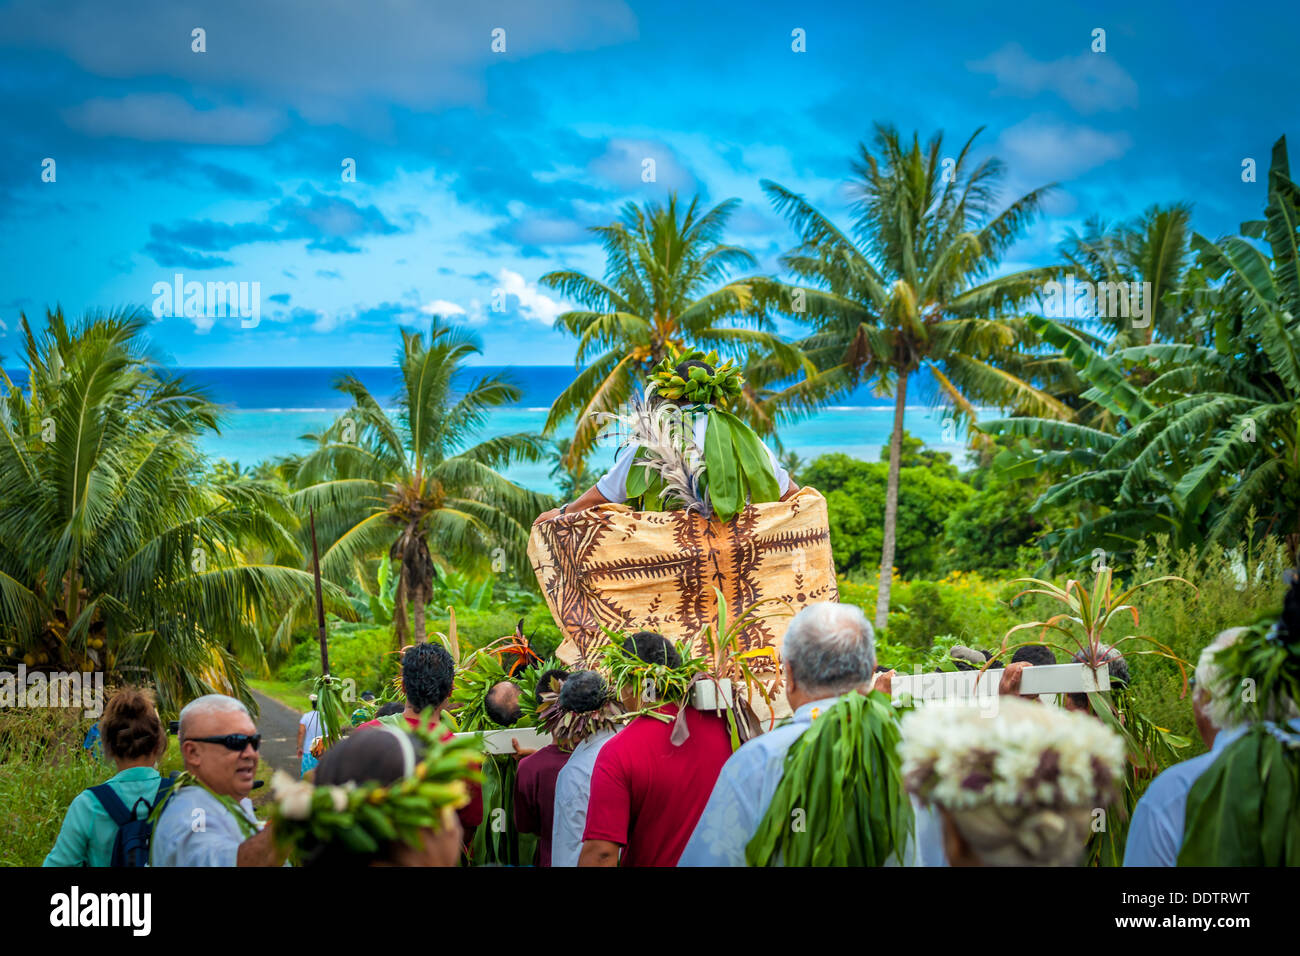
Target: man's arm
(301,730)
(588,499)
(598,853)
(259,850)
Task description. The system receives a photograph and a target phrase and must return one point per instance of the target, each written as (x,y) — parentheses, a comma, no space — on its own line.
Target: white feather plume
(669,441)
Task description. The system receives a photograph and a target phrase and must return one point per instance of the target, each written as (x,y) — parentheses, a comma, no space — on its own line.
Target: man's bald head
(502,703)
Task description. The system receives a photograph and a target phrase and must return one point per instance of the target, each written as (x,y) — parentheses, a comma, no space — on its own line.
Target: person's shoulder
(1173,783)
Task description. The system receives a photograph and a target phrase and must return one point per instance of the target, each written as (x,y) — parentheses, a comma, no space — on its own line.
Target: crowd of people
(634,779)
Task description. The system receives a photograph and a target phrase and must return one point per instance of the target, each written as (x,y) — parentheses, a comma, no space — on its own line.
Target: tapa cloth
(625,570)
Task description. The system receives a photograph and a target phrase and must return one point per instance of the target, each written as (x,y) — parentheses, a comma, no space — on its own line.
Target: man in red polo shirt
(427,675)
(646,794)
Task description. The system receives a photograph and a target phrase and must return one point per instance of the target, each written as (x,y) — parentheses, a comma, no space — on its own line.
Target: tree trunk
(891,508)
(399,612)
(417,615)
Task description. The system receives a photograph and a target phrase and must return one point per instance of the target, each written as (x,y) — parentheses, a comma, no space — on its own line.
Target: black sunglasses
(236,742)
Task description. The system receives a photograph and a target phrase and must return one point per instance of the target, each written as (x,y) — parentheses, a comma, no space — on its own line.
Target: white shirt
(310,721)
(613,484)
(572,791)
(195,829)
(744,791)
(1156,834)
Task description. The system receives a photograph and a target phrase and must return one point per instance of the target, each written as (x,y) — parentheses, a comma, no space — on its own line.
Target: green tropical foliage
(667,289)
(409,485)
(855,494)
(842,779)
(1200,434)
(117,552)
(910,286)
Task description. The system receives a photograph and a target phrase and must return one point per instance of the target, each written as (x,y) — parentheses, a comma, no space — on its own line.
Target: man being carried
(685,450)
(219,745)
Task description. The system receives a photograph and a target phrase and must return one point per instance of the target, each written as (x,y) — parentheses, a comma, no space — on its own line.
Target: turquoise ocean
(269,409)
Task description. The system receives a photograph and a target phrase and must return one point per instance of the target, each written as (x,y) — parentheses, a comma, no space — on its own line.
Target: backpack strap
(112,804)
(164,791)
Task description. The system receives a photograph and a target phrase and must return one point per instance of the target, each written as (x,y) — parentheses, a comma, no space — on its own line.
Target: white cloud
(442,307)
(1090,82)
(533,303)
(624,163)
(1039,149)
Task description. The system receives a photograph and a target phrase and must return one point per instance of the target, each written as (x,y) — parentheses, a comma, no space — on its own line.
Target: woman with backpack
(134,738)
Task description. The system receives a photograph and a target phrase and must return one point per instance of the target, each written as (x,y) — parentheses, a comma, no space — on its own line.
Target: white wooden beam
(963,685)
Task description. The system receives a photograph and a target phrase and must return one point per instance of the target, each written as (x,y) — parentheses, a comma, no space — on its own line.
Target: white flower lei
(959,757)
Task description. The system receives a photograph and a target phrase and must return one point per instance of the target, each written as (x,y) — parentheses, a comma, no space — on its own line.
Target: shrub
(855,498)
(368,653)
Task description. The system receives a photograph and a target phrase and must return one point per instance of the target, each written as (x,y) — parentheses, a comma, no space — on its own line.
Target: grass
(293,694)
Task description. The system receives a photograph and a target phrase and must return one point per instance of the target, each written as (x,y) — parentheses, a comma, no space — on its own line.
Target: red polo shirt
(535,796)
(646,794)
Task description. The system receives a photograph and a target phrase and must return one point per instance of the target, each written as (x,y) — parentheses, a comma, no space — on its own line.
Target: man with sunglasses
(211,822)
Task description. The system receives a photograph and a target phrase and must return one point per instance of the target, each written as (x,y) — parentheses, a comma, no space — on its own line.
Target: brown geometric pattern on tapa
(614,567)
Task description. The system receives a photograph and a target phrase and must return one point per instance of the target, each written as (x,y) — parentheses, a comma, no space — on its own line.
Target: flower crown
(698,386)
(1028,754)
(366,817)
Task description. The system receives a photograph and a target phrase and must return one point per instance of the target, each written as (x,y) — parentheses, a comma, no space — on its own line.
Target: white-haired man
(828,650)
(211,821)
(1156,834)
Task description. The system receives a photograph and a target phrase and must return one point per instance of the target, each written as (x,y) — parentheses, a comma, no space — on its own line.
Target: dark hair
(427,673)
(130,727)
(583,692)
(392,707)
(653,648)
(684,368)
(1117,666)
(370,755)
(502,703)
(544,682)
(1035,654)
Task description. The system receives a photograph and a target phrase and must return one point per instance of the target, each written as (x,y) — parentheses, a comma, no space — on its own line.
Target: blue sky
(479,171)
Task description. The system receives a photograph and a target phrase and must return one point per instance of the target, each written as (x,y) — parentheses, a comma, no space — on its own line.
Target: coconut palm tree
(909,288)
(1150,253)
(117,554)
(411,485)
(666,290)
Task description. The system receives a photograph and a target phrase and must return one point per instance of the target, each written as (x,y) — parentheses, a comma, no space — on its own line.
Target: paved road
(278,725)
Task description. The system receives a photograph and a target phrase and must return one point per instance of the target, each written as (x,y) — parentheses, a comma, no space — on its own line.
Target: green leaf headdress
(698,386)
(1245,809)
